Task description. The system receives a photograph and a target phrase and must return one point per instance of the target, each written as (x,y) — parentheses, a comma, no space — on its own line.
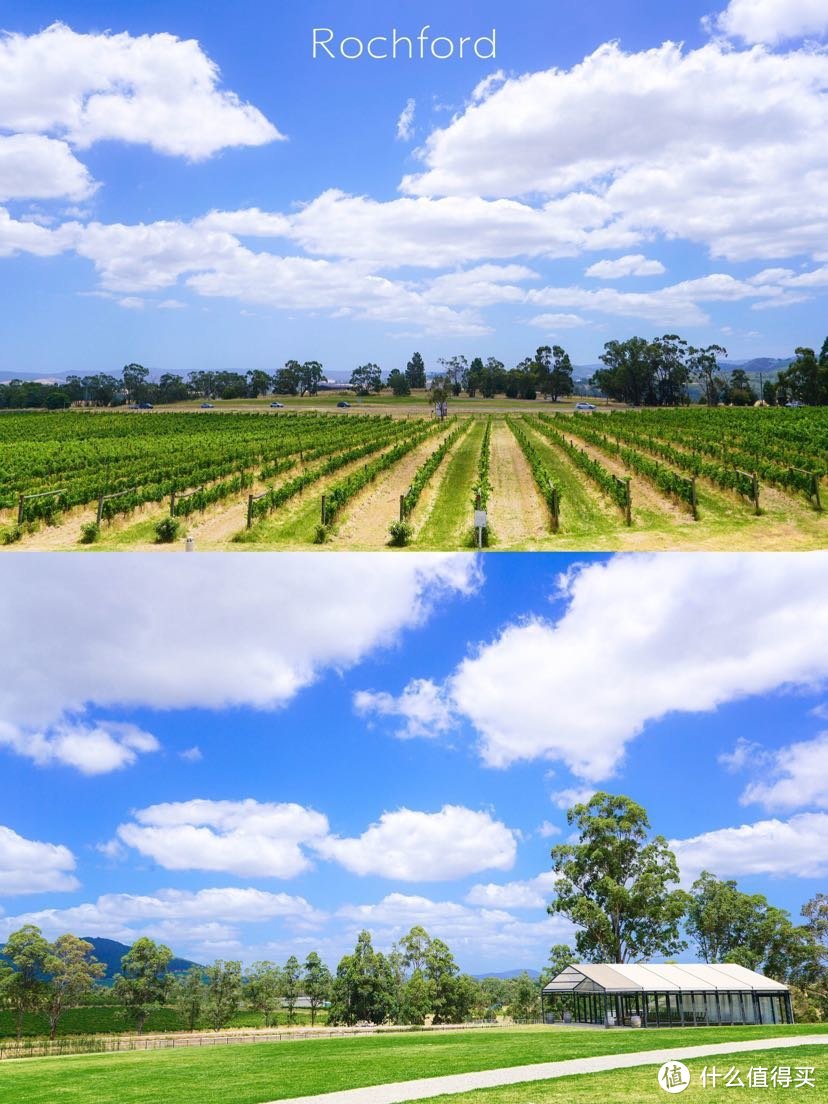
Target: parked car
(795,402)
(278,405)
(343,403)
(145,406)
(207,406)
(585,406)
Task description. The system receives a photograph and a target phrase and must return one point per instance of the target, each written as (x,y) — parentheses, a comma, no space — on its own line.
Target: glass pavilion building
(665,995)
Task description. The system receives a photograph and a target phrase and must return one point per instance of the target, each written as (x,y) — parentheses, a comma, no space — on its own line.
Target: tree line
(637,371)
(659,372)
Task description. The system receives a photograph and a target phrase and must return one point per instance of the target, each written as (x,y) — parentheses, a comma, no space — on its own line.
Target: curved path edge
(401,1091)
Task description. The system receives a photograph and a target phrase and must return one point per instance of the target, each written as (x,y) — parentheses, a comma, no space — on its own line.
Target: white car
(585,406)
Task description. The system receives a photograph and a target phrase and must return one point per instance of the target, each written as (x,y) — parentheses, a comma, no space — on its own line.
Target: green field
(708,479)
(622,1086)
(252,1073)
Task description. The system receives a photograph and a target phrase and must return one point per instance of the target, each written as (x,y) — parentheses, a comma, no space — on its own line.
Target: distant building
(661,995)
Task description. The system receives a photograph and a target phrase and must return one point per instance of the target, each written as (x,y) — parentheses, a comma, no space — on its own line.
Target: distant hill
(110,952)
(768,366)
(506,975)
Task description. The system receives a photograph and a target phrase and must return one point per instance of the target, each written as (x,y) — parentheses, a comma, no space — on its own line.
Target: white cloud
(191,754)
(72,654)
(547,830)
(96,748)
(573,795)
(773,21)
(36,167)
(413,846)
(675,303)
(169,913)
(633,264)
(532,692)
(236,837)
(28,866)
(131,302)
(154,89)
(534,893)
(20,236)
(405,123)
(685,143)
(792,777)
(553,322)
(471,932)
(422,706)
(797,848)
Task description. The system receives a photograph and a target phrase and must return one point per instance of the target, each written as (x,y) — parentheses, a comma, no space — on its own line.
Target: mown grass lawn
(250,1074)
(641,1085)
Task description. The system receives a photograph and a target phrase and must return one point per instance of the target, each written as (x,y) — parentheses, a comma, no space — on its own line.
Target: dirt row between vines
(517,513)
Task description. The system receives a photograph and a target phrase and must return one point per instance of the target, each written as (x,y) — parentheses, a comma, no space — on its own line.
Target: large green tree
(144,982)
(223,994)
(363,989)
(263,989)
(187,996)
(616,883)
(72,972)
(415,372)
(25,990)
(367,378)
(291,986)
(317,983)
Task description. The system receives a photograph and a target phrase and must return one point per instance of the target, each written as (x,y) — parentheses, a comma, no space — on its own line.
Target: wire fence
(106,1044)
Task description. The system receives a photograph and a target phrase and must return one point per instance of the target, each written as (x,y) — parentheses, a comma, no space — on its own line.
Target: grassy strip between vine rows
(427,469)
(615,488)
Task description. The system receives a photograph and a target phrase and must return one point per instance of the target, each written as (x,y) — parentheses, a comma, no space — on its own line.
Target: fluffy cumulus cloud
(412,846)
(35,167)
(246,838)
(630,620)
(793,777)
(96,748)
(797,847)
(685,143)
(534,893)
(73,654)
(29,866)
(422,707)
(207,917)
(633,264)
(155,89)
(773,21)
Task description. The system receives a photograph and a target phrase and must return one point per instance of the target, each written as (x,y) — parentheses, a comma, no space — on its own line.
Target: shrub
(90,531)
(167,530)
(11,534)
(400,532)
(322,533)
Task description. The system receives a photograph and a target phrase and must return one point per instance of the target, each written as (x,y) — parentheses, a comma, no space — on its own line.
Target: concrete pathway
(485,1079)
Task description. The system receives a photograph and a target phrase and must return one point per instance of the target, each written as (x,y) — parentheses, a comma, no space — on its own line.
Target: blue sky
(185,186)
(252,763)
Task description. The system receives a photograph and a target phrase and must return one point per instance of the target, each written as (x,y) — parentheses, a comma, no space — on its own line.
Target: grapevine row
(616,489)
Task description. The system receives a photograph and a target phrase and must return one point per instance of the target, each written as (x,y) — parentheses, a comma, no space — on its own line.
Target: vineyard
(722,478)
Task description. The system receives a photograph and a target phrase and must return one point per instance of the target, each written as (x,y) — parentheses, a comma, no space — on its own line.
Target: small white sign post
(480,523)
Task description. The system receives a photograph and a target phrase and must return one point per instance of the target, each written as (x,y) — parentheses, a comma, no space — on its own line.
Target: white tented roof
(692,977)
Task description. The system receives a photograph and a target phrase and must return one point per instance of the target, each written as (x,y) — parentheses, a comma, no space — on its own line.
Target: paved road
(485,1079)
